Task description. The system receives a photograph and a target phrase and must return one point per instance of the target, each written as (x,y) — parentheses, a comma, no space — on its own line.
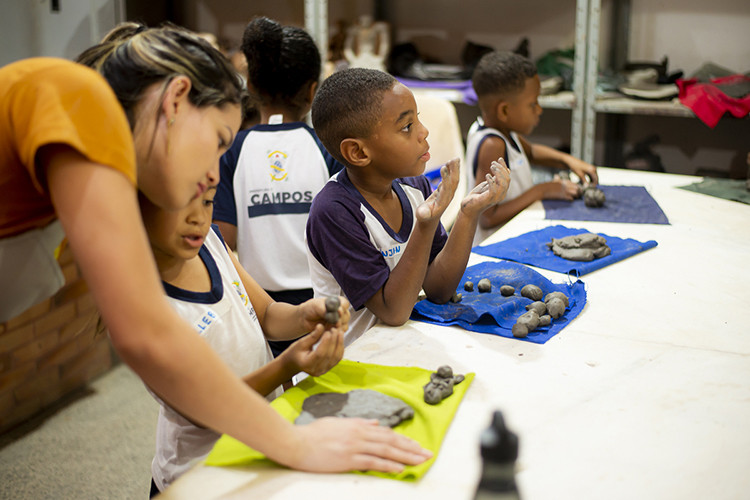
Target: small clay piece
(432,395)
(582,247)
(469,286)
(593,197)
(555,307)
(559,295)
(456,297)
(530,319)
(441,385)
(484,286)
(507,290)
(332,304)
(332,310)
(359,403)
(519,330)
(538,306)
(532,292)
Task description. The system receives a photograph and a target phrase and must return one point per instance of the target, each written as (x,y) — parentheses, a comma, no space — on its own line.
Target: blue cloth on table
(492,312)
(623,204)
(531,248)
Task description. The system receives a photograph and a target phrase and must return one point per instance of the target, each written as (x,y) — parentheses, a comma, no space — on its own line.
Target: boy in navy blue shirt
(374,232)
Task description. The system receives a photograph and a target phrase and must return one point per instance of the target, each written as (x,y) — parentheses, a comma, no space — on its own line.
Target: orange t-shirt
(54,101)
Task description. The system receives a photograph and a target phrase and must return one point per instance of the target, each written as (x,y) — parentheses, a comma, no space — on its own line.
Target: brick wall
(50,350)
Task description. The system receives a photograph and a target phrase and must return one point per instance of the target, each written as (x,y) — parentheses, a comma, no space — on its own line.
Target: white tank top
(225,318)
(515,157)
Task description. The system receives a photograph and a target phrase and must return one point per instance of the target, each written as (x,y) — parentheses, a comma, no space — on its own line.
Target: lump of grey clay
(332,310)
(539,306)
(532,292)
(555,307)
(484,286)
(545,320)
(530,319)
(593,197)
(558,295)
(469,286)
(359,403)
(441,385)
(507,290)
(456,297)
(582,247)
(520,330)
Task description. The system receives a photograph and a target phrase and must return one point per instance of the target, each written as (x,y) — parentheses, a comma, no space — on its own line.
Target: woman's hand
(334,444)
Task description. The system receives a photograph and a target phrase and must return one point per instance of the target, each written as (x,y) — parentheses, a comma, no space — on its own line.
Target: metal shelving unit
(316,23)
(617,106)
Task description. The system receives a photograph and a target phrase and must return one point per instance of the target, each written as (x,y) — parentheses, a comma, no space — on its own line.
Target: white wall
(692,32)
(30,28)
(227,18)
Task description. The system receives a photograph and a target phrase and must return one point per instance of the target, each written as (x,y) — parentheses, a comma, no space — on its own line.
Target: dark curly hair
(348,105)
(501,74)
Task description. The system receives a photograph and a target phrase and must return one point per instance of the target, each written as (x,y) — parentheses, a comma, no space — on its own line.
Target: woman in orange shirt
(67,158)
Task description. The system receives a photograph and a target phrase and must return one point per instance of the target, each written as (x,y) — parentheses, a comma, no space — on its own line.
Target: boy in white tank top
(209,288)
(507,86)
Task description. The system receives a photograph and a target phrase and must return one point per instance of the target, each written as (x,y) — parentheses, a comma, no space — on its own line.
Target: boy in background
(374,232)
(507,86)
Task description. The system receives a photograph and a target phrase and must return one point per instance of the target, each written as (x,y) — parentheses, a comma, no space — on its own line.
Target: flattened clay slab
(359,403)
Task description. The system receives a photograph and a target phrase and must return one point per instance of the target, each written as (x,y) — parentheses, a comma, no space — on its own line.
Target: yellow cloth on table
(428,427)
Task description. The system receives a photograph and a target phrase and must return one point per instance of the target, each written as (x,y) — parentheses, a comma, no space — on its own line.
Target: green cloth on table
(728,189)
(428,427)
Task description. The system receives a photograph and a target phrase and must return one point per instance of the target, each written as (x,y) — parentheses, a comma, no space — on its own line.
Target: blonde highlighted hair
(133,57)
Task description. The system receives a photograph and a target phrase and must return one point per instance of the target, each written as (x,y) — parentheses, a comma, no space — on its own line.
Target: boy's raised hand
(490,191)
(434,206)
(314,360)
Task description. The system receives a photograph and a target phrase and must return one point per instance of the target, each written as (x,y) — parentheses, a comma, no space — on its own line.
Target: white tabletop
(645,395)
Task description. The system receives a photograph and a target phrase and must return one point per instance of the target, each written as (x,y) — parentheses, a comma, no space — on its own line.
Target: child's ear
(354,152)
(501,110)
(311,91)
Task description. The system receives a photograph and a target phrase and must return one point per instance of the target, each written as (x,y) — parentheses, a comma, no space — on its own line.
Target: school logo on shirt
(277,160)
(245,299)
(390,252)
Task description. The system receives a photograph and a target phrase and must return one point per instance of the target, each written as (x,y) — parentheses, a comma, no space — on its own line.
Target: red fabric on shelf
(709,103)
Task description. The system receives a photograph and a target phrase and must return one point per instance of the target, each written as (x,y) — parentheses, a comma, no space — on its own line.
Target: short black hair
(281,60)
(348,105)
(502,74)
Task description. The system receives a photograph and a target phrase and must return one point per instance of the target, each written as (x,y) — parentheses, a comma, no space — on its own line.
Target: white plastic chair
(446,142)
